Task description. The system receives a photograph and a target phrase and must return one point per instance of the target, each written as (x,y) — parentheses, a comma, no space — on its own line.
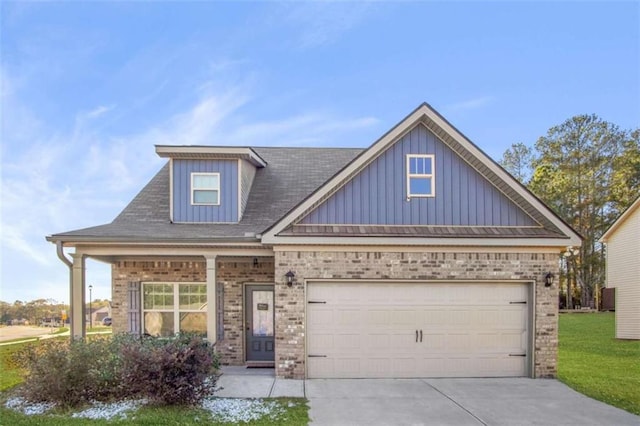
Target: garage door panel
(369,329)
(321,343)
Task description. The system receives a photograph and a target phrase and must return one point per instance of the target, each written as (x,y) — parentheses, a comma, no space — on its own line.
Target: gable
(377,195)
(632,213)
(505,213)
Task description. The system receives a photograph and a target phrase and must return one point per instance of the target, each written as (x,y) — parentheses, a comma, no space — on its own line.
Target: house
(98,314)
(416,257)
(623,270)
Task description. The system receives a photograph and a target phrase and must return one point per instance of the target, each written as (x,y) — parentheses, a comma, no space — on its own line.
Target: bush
(172,371)
(70,373)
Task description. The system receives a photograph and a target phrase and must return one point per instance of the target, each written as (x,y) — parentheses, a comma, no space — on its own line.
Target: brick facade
(232,273)
(290,302)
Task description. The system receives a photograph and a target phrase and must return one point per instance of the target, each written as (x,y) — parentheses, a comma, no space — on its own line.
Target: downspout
(61,256)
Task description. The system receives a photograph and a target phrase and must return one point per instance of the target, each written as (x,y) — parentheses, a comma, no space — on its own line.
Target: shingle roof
(291,175)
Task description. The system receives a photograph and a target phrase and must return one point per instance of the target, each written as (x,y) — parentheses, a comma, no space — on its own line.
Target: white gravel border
(231,410)
(236,410)
(111,410)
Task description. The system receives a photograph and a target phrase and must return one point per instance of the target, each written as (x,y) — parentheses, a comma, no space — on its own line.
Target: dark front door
(259,315)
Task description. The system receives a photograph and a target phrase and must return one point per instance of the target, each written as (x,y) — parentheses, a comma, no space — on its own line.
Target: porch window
(169,308)
(420,176)
(205,189)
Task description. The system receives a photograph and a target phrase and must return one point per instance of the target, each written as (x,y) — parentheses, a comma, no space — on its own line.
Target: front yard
(593,362)
(212,410)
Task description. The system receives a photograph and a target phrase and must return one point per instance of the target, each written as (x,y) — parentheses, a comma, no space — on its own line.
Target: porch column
(78,323)
(212,326)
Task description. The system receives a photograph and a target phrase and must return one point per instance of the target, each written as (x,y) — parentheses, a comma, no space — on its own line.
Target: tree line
(588,171)
(38,310)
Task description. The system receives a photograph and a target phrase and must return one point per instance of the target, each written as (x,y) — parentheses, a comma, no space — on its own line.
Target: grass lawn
(593,362)
(10,374)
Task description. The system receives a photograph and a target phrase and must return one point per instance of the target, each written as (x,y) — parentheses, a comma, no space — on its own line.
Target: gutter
(137,240)
(61,256)
(66,261)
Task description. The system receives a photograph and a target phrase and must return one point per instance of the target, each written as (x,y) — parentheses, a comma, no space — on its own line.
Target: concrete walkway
(513,401)
(242,382)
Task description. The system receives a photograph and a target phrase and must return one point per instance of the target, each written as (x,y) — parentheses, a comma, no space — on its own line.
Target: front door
(259,315)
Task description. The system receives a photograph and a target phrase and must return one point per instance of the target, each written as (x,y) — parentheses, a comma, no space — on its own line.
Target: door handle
(416,336)
(420,336)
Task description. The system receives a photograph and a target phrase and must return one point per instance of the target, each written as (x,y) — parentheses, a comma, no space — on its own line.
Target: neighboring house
(416,257)
(99,314)
(623,270)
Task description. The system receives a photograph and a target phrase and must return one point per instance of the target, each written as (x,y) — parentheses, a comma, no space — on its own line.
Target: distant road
(11,332)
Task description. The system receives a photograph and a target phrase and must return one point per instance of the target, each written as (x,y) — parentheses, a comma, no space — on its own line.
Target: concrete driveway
(456,402)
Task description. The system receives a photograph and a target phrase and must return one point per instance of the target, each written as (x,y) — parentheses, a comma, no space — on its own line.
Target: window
(205,189)
(169,308)
(420,176)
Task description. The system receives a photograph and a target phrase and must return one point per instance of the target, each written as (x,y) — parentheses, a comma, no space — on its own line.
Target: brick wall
(233,273)
(124,271)
(290,302)
(230,272)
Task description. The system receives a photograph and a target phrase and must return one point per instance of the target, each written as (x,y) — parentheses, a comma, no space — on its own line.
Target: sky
(87,90)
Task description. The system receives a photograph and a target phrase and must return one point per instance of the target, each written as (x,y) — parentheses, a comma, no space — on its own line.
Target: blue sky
(89,88)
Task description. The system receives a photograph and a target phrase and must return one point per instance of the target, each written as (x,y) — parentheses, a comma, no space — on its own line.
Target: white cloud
(98,111)
(304,129)
(59,180)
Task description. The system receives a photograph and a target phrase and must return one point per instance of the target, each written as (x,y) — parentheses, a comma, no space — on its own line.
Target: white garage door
(381,329)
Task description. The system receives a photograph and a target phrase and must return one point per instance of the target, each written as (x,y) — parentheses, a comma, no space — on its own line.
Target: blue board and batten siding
(378,194)
(247,173)
(184,211)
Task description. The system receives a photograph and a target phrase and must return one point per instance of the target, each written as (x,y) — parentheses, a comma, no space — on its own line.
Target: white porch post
(78,325)
(212,329)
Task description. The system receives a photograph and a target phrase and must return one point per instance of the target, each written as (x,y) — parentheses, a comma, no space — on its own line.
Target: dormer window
(205,189)
(420,176)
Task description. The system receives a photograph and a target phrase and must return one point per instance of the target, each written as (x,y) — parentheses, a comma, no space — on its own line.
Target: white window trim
(176,303)
(192,189)
(431,175)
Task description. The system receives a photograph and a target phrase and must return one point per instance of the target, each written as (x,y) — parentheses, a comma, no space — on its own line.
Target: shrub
(171,371)
(175,371)
(70,373)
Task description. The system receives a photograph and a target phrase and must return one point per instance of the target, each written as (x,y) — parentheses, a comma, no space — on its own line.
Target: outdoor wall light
(548,279)
(290,278)
(255,262)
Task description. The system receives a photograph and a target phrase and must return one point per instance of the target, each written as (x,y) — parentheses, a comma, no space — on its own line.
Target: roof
(210,152)
(620,220)
(297,180)
(291,175)
(552,227)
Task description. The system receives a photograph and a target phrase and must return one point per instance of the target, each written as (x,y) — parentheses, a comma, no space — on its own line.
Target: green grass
(593,362)
(10,374)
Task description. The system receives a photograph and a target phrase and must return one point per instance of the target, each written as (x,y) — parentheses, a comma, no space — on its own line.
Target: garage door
(381,329)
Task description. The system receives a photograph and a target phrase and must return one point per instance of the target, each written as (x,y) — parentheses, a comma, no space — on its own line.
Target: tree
(588,171)
(517,160)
